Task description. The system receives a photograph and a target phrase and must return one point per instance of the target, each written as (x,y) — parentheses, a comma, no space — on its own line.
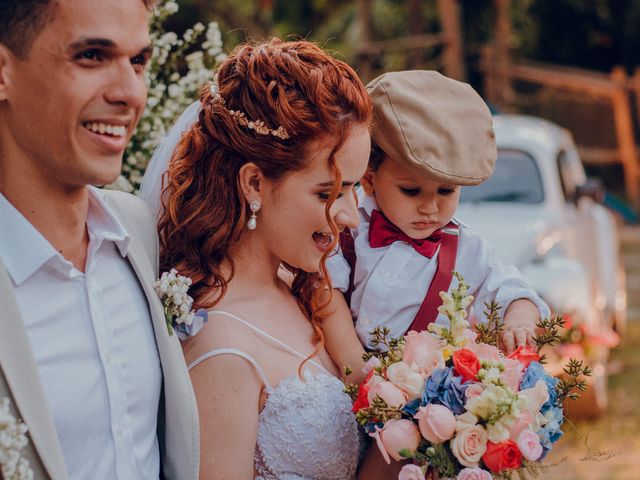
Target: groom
(85,357)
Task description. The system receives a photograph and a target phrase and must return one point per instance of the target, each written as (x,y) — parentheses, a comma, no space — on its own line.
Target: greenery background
(590,34)
(595,34)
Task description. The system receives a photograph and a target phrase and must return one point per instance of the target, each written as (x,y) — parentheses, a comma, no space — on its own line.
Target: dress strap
(265,334)
(232,351)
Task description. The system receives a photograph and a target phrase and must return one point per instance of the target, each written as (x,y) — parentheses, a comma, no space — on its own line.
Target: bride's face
(292,222)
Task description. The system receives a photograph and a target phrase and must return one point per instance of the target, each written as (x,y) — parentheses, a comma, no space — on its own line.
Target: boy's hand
(519,325)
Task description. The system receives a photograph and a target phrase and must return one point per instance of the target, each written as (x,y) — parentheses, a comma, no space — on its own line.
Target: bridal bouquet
(449,400)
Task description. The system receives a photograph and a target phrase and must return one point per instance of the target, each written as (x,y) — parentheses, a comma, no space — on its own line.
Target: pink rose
(371,364)
(408,379)
(484,351)
(525,355)
(529,445)
(474,474)
(513,372)
(387,391)
(437,423)
(395,436)
(423,349)
(411,472)
(469,445)
(474,390)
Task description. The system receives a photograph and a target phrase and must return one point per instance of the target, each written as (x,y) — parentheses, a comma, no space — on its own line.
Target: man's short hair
(22,20)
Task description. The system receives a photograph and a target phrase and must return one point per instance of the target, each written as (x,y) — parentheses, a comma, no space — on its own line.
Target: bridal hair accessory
(254,206)
(13,439)
(241,119)
(172,289)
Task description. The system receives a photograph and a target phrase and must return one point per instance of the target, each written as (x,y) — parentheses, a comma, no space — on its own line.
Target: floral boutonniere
(173,289)
(13,439)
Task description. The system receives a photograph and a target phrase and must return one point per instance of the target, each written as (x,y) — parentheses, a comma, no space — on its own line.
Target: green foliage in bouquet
(489,332)
(179,67)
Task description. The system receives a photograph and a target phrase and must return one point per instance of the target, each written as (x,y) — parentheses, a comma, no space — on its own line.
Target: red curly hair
(293,84)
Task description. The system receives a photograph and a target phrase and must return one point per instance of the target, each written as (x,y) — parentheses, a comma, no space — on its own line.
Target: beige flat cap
(436,123)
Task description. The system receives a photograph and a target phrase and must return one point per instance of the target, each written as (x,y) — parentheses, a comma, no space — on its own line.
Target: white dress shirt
(391,282)
(93,341)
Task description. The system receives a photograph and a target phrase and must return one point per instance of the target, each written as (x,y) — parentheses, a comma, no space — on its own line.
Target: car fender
(563,284)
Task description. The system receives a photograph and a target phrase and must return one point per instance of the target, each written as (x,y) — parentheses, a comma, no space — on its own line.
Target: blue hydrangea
(551,432)
(445,388)
(536,372)
(411,408)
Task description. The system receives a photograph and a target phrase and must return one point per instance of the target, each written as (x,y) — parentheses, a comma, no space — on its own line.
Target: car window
(516,178)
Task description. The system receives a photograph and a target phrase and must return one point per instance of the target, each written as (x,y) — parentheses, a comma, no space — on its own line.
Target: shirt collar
(367,203)
(104,224)
(24,250)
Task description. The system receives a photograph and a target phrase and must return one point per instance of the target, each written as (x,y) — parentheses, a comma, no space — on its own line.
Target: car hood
(513,229)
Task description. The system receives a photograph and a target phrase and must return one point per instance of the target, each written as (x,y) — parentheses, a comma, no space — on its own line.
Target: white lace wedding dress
(306,429)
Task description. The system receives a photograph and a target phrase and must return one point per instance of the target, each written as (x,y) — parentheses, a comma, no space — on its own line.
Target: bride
(256,192)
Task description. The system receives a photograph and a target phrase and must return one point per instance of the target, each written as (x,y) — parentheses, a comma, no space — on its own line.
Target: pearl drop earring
(254,206)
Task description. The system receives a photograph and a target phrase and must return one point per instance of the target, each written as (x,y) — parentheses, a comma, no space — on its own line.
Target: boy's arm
(341,339)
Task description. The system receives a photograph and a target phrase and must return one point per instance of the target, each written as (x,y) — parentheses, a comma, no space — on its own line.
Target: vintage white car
(541,213)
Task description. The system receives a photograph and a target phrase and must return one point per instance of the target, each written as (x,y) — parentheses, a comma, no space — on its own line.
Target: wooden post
(414,10)
(364,61)
(635,86)
(625,136)
(502,61)
(488,68)
(453,60)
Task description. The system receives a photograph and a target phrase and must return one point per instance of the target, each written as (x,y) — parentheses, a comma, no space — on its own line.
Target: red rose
(525,355)
(502,456)
(466,364)
(363,394)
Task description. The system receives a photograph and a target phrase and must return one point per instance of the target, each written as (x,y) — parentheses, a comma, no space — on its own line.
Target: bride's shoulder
(222,330)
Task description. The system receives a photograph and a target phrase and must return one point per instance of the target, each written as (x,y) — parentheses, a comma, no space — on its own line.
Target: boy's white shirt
(391,282)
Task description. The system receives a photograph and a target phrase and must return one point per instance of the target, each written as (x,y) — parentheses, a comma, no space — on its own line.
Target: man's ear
(252,181)
(367,181)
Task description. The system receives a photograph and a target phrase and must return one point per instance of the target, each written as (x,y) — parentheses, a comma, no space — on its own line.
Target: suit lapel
(23,379)
(179,424)
(167,345)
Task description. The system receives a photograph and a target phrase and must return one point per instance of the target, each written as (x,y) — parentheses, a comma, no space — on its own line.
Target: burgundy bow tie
(382,233)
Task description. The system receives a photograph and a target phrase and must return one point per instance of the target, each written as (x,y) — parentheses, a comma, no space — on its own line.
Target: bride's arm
(227,391)
(341,340)
(374,467)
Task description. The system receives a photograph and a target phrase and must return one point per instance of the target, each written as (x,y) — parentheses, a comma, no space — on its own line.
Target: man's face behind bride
(292,225)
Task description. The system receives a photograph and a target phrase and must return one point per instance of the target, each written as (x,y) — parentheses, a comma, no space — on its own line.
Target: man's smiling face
(70,107)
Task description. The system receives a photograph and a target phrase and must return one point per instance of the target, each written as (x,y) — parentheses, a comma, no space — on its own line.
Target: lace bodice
(306,429)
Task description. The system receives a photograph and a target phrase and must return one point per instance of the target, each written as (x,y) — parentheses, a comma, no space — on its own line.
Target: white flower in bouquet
(13,438)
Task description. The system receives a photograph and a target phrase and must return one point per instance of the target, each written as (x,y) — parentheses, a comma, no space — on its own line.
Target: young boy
(431,136)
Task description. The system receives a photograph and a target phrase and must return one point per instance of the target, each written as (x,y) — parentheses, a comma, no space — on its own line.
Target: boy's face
(69,109)
(414,203)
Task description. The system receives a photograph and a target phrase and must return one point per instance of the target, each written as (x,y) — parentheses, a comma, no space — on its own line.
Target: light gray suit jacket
(178,432)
